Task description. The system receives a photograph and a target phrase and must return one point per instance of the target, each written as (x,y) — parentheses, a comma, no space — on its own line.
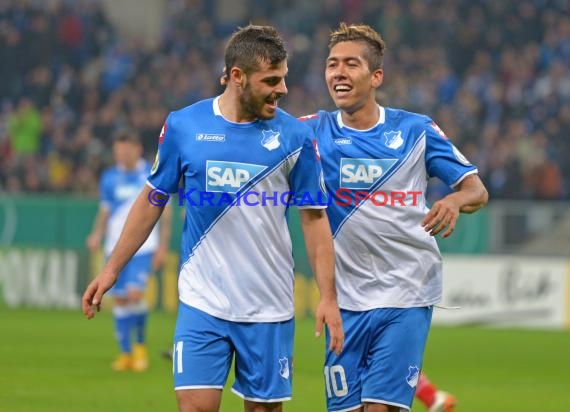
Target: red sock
(425,391)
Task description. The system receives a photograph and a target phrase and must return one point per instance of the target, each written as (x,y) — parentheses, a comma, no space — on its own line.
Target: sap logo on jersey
(124,192)
(363,173)
(229,177)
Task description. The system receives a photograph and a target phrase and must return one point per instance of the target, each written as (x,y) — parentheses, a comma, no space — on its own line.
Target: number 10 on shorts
(335,381)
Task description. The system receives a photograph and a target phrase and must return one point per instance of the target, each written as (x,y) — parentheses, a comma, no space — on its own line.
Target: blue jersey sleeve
(443,159)
(166,170)
(311,120)
(106,189)
(306,179)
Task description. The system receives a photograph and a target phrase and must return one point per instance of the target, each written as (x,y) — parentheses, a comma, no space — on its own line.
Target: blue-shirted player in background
(243,161)
(119,187)
(377,161)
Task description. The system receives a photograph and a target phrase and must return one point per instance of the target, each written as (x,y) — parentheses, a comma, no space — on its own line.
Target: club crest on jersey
(284,367)
(230,177)
(413,376)
(270,139)
(363,173)
(393,139)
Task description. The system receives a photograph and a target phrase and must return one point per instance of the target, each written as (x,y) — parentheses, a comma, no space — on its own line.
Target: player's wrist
(330,299)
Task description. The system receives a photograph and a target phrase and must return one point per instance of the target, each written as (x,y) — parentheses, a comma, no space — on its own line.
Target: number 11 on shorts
(177,357)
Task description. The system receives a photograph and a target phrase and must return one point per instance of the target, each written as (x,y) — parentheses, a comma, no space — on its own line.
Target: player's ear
(237,76)
(377,78)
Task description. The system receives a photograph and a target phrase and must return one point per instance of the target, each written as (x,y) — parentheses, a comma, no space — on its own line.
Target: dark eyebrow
(272,79)
(347,59)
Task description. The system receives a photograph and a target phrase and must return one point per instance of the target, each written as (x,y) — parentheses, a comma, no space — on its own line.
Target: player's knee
(135,296)
(121,301)
(202,400)
(380,407)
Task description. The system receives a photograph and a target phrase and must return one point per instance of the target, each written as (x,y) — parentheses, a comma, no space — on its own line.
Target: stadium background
(494,74)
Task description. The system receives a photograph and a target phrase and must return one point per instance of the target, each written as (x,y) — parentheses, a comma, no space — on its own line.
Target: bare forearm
(470,194)
(93,241)
(318,240)
(323,268)
(165,227)
(100,224)
(140,222)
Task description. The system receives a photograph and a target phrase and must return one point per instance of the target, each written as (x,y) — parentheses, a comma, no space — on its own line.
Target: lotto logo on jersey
(229,177)
(210,137)
(363,173)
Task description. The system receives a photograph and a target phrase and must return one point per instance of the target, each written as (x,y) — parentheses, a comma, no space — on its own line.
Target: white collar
(381,120)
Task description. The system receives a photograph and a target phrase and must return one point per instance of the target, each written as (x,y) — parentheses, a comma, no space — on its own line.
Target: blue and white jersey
(377,179)
(238,181)
(119,189)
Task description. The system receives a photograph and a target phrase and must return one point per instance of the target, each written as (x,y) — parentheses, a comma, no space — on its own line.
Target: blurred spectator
(24,128)
(496,73)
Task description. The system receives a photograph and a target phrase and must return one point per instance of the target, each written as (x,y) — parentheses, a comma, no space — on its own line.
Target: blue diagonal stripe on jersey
(381,181)
(252,182)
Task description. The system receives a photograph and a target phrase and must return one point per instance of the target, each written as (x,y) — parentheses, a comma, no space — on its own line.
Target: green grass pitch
(57,361)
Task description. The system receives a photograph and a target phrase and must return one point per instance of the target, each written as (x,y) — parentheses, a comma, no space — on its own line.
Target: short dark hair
(126,135)
(374,44)
(252,45)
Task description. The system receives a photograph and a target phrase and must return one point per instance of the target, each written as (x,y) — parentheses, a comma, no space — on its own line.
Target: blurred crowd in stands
(495,75)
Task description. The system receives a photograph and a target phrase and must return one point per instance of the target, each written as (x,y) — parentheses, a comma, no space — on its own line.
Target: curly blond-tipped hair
(373,41)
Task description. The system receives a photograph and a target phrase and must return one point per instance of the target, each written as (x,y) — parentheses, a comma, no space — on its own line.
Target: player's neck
(130,166)
(231,108)
(362,119)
